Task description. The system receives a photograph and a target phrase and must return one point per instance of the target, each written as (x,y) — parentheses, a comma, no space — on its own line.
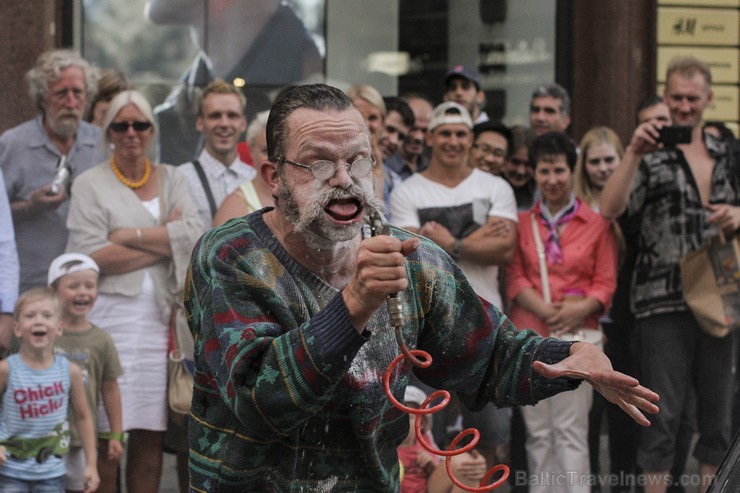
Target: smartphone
(675,134)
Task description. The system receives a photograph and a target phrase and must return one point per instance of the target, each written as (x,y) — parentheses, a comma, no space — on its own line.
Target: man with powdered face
(292,330)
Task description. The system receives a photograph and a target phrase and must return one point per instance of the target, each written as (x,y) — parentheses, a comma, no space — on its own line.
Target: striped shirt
(34,405)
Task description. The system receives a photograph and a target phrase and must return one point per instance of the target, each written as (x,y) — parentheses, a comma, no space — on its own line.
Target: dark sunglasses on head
(121,127)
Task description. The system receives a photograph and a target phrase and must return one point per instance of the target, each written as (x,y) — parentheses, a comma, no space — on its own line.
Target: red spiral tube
(422,359)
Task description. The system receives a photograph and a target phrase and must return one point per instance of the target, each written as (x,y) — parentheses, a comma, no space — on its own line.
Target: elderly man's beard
(65,123)
(312,222)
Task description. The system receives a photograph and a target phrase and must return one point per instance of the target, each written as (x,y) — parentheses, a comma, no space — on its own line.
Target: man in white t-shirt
(469,213)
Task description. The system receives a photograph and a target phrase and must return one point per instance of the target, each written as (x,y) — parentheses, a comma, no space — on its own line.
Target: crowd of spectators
(578,242)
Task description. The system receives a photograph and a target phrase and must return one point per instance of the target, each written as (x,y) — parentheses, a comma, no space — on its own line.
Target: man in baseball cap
(450,113)
(462,85)
(459,207)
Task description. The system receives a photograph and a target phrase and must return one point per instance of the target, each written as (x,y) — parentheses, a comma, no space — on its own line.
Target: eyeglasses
(323,170)
(497,153)
(121,127)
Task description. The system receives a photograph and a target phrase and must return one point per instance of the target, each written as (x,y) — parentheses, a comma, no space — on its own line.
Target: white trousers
(557,442)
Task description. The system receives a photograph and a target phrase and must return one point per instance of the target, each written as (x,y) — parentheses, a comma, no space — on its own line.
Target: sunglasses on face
(120,127)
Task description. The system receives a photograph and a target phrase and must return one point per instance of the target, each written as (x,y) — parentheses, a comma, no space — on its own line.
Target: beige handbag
(180,353)
(711,285)
(179,379)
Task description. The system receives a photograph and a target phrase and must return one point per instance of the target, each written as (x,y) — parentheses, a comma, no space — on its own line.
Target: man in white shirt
(218,171)
(471,214)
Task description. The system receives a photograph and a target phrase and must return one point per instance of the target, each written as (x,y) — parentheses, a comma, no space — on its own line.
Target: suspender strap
(206,186)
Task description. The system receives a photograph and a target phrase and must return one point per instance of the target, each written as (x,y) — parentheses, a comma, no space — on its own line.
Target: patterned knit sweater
(289,397)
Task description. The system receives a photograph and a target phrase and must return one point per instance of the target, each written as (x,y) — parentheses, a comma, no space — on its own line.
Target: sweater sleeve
(476,350)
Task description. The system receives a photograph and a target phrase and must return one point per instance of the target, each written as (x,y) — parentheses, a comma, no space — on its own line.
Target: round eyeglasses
(323,169)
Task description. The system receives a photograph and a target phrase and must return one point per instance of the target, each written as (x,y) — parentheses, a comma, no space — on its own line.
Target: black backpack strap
(206,186)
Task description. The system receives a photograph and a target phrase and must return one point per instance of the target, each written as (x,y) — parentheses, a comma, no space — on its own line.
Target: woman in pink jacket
(561,280)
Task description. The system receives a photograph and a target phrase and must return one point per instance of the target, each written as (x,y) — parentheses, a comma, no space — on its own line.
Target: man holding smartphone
(680,192)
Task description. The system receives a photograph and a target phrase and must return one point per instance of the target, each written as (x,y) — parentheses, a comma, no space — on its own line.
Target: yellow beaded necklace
(126,181)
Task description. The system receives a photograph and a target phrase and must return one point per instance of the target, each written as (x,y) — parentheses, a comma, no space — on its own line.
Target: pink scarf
(552,241)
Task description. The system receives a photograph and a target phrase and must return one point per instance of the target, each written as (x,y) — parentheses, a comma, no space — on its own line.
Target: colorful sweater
(289,397)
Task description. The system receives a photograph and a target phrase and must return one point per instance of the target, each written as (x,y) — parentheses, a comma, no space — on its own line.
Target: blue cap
(465,72)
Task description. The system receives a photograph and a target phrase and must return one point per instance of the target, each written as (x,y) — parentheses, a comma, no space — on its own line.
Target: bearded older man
(61,84)
(288,309)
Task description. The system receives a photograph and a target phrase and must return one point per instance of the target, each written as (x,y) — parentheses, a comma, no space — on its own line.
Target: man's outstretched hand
(588,362)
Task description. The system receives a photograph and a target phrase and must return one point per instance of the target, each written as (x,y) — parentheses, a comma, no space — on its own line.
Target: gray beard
(311,222)
(64,127)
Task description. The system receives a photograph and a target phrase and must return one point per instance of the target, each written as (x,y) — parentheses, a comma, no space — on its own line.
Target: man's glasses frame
(324,169)
(485,149)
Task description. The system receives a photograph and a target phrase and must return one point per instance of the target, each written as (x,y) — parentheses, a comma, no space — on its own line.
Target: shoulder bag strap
(206,186)
(543,261)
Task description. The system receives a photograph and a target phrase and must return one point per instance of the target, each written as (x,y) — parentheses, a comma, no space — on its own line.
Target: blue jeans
(674,354)
(12,485)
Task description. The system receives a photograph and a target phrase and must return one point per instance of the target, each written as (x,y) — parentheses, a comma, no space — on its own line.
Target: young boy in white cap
(74,279)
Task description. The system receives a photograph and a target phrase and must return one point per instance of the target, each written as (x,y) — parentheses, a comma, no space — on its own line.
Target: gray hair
(48,69)
(318,97)
(122,99)
(554,91)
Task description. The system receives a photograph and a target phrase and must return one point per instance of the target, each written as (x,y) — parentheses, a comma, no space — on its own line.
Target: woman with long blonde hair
(601,153)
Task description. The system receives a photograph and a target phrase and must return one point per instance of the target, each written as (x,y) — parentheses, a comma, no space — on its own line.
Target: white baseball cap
(68,263)
(450,113)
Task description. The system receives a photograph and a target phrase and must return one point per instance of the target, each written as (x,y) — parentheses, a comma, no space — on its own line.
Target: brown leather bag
(711,285)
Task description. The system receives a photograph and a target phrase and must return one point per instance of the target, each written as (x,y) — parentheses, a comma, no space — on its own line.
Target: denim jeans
(12,485)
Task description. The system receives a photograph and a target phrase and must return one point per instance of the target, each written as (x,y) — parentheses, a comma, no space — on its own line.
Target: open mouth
(38,333)
(347,210)
(81,303)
